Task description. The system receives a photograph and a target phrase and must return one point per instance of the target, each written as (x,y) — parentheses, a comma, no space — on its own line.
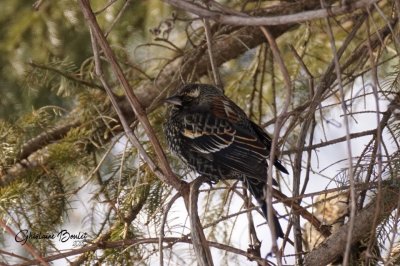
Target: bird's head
(194,96)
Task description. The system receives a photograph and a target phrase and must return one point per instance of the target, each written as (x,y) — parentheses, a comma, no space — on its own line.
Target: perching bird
(211,134)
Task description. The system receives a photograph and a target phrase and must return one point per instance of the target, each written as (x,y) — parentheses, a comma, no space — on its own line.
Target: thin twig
(162,226)
(67,75)
(378,139)
(128,131)
(349,150)
(167,175)
(200,245)
(216,75)
(141,241)
(277,129)
(331,142)
(119,15)
(13,255)
(28,247)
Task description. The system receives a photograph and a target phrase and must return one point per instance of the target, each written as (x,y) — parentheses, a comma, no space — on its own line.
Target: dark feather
(266,139)
(256,188)
(215,138)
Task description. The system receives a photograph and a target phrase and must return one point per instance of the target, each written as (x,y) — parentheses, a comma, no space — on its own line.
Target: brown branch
(269,20)
(331,142)
(162,227)
(382,124)
(255,243)
(128,131)
(45,138)
(133,242)
(200,245)
(232,42)
(348,142)
(299,210)
(333,246)
(168,176)
(378,134)
(278,126)
(214,68)
(28,247)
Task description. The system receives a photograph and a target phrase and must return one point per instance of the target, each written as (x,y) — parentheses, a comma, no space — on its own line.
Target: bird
(215,137)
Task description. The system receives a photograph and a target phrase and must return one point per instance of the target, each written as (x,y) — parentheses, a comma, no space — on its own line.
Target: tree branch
(168,176)
(133,242)
(269,21)
(333,246)
(199,241)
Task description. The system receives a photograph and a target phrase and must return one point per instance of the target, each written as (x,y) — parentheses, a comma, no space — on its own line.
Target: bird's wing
(267,141)
(264,137)
(219,136)
(206,134)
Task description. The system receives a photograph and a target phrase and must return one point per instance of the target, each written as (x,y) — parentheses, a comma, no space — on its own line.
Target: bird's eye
(186,98)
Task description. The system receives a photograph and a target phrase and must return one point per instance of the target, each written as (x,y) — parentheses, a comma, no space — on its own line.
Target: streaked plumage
(215,137)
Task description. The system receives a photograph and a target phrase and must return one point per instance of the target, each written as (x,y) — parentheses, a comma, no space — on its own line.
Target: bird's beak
(175,100)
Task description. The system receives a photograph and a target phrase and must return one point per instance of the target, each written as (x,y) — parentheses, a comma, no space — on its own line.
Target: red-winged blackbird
(214,136)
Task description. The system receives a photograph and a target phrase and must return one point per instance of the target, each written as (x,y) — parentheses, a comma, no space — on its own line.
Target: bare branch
(162,226)
(217,76)
(348,142)
(28,247)
(277,129)
(168,176)
(333,247)
(128,131)
(199,241)
(269,21)
(140,241)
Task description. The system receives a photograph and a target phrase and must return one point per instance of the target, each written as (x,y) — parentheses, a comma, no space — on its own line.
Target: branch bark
(333,246)
(141,241)
(269,20)
(199,241)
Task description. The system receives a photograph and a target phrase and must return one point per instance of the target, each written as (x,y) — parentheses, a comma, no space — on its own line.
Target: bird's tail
(256,188)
